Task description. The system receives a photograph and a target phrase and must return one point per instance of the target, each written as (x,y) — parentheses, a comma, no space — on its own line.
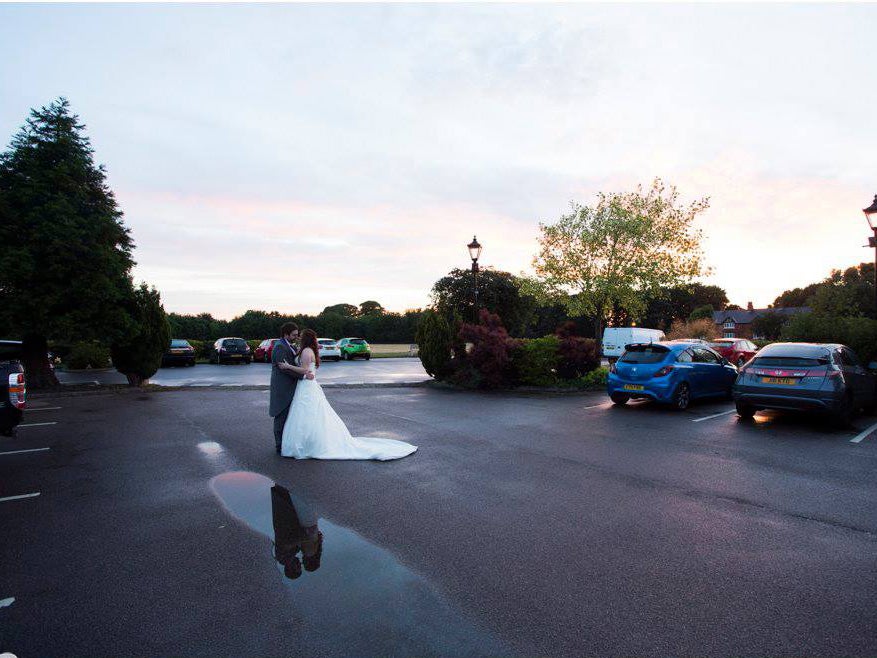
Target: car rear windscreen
(10,352)
(717,344)
(788,362)
(357,341)
(235,342)
(645,354)
(327,342)
(179,343)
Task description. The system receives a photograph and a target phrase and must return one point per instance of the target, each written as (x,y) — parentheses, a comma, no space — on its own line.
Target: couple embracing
(305,424)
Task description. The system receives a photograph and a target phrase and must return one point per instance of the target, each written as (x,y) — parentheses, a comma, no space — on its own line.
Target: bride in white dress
(314,431)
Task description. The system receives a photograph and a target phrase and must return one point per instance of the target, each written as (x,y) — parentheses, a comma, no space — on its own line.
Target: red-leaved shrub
(578,356)
(488,364)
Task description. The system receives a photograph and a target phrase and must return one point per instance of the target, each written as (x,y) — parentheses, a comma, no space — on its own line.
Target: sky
(289,157)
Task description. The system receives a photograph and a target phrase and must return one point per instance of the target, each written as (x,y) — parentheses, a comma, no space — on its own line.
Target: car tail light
(663,371)
(17,390)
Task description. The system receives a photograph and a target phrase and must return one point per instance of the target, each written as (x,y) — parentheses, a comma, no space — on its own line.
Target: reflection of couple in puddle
(295,530)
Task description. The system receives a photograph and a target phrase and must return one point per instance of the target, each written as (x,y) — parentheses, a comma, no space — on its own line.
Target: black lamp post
(474,254)
(871,216)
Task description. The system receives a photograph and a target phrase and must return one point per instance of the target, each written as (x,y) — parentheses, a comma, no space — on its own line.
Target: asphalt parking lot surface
(140,524)
(376,371)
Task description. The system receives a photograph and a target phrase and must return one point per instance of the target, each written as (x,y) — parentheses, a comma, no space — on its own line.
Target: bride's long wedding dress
(314,431)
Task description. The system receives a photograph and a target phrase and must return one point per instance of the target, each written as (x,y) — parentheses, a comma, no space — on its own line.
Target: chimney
(749,306)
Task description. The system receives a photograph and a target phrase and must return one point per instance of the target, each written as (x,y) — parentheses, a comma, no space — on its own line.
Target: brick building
(738,324)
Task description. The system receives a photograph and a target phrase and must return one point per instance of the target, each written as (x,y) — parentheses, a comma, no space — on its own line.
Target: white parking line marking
(864,434)
(599,406)
(5,603)
(54,422)
(42,408)
(18,452)
(724,413)
(33,495)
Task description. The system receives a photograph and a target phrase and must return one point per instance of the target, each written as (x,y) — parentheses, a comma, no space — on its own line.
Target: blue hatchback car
(672,372)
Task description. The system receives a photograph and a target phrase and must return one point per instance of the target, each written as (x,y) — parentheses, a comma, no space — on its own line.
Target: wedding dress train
(314,431)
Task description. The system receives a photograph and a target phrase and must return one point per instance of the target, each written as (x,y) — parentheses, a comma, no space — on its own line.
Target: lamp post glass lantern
(474,253)
(871,216)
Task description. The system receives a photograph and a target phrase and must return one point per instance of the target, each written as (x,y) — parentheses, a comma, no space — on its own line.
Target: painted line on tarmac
(599,406)
(42,408)
(724,413)
(54,422)
(864,434)
(18,452)
(31,495)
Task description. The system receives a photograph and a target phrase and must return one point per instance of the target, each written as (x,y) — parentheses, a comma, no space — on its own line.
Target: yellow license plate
(633,387)
(786,381)
(236,356)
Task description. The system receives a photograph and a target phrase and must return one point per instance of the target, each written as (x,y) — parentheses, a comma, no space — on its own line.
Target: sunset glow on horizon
(291,157)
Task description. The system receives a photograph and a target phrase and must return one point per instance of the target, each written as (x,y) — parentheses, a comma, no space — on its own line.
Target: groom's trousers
(279,422)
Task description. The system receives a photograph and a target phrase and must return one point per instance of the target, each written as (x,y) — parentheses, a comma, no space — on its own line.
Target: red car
(737,350)
(263,352)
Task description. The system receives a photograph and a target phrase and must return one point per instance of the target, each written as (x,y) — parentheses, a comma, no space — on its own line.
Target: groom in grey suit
(283,382)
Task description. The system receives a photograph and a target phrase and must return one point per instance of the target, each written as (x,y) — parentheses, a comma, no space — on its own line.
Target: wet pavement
(375,371)
(524,525)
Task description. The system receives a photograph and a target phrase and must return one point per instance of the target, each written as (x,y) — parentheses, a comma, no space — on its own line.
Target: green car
(354,347)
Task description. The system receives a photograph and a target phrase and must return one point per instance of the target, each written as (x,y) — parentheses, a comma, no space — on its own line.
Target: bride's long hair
(309,339)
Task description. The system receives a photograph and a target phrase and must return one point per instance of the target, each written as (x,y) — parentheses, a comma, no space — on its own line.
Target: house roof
(746,317)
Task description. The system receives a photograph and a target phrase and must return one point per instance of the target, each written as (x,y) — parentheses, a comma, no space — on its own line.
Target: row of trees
(65,264)
(369,320)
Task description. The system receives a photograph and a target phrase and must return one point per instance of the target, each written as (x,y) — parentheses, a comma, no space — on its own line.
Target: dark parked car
(819,377)
(179,353)
(12,386)
(671,372)
(230,350)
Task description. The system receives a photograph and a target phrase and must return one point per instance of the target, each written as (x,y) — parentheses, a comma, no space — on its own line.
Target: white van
(615,338)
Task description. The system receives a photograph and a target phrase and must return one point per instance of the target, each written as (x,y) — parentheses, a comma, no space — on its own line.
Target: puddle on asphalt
(344,587)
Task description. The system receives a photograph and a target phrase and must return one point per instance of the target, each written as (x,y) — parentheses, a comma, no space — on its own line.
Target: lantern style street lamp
(871,216)
(475,254)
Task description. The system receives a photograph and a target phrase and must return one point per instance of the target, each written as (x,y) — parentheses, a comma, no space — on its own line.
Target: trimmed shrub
(578,355)
(434,344)
(202,348)
(595,379)
(87,355)
(138,355)
(254,344)
(535,361)
(858,333)
(488,364)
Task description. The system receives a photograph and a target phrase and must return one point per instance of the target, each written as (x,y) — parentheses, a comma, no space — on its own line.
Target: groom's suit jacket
(283,383)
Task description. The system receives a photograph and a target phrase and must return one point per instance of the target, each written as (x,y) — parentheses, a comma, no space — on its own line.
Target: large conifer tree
(66,258)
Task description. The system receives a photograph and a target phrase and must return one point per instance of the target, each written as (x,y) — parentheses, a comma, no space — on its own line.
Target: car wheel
(746,411)
(368,357)
(682,397)
(246,362)
(619,398)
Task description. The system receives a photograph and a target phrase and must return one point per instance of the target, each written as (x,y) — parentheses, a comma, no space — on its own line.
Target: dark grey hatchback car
(819,377)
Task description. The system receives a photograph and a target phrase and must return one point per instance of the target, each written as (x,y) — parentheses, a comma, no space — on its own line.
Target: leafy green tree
(630,245)
(137,355)
(370,308)
(702,312)
(344,310)
(65,260)
(796,297)
(499,293)
(769,325)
